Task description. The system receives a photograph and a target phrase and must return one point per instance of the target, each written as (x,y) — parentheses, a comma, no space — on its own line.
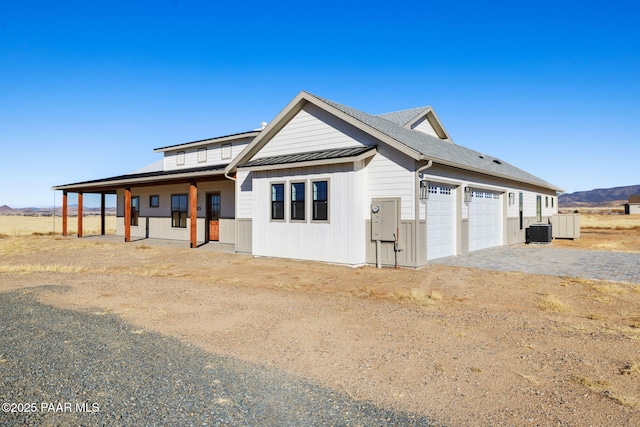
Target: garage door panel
(441,214)
(485,220)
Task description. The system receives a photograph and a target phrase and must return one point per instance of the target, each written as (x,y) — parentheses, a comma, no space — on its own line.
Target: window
(154,201)
(226,151)
(320,201)
(179,210)
(546,201)
(135,210)
(277,201)
(552,202)
(539,208)
(180,158)
(521,209)
(202,155)
(297,201)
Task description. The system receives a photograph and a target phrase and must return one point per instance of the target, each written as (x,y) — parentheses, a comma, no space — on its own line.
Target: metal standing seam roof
(340,153)
(246,134)
(147,176)
(440,150)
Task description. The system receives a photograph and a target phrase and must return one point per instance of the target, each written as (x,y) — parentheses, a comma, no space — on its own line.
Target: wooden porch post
(127,214)
(64,213)
(102,214)
(79,214)
(193,206)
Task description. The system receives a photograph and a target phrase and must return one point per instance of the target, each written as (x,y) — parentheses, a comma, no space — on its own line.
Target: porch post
(193,206)
(127,214)
(102,214)
(79,214)
(64,212)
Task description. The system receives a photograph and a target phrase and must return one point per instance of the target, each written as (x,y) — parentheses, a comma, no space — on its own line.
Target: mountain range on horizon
(616,196)
(73,208)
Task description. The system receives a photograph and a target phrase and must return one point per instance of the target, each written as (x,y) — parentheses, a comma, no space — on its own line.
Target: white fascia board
(493,174)
(365,128)
(268,132)
(292,109)
(219,140)
(425,114)
(336,161)
(133,181)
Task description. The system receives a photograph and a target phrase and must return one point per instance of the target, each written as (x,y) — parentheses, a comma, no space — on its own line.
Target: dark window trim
(315,202)
(157,200)
(278,206)
(135,210)
(179,215)
(298,208)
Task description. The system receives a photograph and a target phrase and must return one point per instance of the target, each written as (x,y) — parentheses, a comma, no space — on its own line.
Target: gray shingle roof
(309,156)
(402,117)
(439,150)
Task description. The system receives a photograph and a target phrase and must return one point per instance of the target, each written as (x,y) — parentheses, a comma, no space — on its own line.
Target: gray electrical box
(385,219)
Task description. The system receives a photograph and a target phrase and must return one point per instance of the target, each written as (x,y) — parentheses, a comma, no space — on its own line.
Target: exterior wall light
(467,194)
(424,190)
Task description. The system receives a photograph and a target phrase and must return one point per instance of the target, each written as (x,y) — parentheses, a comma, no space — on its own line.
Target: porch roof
(339,155)
(109,185)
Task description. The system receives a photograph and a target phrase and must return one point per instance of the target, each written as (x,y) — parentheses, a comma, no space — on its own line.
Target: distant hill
(72,210)
(616,196)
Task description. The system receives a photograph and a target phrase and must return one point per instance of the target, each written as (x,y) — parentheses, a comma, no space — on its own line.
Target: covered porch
(196,205)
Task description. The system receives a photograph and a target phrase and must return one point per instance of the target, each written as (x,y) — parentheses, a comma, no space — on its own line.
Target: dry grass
(553,303)
(16,225)
(36,268)
(610,222)
(630,369)
(604,387)
(417,296)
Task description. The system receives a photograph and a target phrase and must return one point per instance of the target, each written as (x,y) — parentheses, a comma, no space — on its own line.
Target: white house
(325,182)
(633,206)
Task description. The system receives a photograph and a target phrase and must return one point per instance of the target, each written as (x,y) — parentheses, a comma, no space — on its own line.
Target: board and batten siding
(155,222)
(213,155)
(313,129)
(244,191)
(338,240)
(390,174)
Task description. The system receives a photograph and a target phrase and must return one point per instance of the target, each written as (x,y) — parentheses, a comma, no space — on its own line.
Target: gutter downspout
(416,236)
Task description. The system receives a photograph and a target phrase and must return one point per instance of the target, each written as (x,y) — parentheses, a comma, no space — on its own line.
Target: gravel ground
(72,368)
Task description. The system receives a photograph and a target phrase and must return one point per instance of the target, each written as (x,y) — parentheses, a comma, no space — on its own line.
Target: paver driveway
(539,259)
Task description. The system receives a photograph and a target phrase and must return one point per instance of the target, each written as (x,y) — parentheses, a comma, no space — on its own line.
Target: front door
(213,216)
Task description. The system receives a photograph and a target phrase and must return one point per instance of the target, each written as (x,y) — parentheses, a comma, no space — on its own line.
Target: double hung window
(320,201)
(277,202)
(135,210)
(297,201)
(179,211)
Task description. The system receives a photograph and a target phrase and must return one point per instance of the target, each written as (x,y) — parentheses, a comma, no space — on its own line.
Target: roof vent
(263,125)
(497,162)
(481,156)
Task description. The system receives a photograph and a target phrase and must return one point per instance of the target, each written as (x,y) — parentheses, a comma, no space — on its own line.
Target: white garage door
(485,220)
(441,214)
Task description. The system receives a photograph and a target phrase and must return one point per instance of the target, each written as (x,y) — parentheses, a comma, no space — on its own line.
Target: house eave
(215,140)
(323,162)
(107,185)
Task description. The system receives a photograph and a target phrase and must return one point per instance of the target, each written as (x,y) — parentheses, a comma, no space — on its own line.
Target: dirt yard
(464,346)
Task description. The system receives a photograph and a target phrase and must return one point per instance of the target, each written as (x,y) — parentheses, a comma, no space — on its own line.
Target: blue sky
(89,88)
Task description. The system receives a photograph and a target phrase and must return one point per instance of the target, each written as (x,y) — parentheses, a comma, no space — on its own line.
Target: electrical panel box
(385,219)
